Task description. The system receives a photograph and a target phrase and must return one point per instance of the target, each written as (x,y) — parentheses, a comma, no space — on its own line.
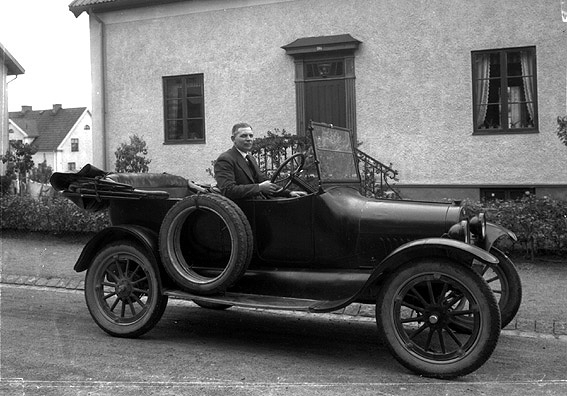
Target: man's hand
(297,193)
(269,188)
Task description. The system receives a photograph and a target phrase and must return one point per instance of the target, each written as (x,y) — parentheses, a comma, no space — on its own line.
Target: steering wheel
(295,162)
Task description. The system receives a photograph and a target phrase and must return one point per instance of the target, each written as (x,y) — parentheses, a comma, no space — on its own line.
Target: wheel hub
(123,289)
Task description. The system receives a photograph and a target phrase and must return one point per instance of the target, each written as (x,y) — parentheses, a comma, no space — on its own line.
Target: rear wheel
(415,311)
(123,290)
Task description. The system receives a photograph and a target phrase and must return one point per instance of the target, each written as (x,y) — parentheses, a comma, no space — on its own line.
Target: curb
(59,283)
(553,327)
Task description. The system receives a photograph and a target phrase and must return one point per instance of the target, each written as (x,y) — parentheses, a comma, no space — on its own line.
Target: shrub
(50,214)
(132,157)
(5,184)
(539,223)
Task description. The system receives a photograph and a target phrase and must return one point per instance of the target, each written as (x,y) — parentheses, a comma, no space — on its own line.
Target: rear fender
(142,235)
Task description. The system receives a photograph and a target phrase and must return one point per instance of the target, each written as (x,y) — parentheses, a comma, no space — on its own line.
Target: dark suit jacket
(234,177)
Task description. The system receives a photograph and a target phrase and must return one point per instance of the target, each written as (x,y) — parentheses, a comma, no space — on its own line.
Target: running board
(260,301)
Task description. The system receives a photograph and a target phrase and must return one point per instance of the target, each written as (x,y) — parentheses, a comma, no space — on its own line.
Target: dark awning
(306,45)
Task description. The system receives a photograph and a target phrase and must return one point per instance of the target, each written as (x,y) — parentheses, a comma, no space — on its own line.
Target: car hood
(392,218)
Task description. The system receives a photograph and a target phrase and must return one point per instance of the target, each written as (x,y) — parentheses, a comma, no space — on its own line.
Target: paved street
(50,346)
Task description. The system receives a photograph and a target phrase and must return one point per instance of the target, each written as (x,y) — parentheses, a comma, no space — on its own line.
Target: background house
(462,97)
(9,67)
(63,136)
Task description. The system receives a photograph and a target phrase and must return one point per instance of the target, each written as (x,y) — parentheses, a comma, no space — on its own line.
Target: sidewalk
(47,261)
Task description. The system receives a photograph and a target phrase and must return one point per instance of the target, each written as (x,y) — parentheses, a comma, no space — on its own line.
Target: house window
(505,194)
(71,166)
(74,144)
(505,91)
(87,128)
(184,109)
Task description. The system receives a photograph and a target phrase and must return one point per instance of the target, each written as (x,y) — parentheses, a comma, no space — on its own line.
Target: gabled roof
(49,127)
(78,6)
(12,64)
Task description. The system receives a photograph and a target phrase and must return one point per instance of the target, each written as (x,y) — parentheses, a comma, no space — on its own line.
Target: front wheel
(123,290)
(415,311)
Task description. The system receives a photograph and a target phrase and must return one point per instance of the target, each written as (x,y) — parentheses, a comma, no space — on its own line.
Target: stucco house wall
(3,113)
(413,81)
(64,155)
(16,133)
(8,67)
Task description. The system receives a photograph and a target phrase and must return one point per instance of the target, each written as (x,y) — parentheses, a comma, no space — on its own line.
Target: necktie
(252,168)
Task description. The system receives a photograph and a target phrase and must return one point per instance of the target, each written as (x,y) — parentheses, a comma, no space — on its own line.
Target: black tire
(504,281)
(123,290)
(205,243)
(415,309)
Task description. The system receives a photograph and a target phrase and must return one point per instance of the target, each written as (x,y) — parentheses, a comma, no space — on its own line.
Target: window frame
(74,145)
(184,109)
(509,193)
(504,101)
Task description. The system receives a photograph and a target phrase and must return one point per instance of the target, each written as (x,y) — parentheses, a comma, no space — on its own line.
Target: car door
(283,230)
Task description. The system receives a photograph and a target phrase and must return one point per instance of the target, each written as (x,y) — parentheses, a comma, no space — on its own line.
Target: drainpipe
(102,38)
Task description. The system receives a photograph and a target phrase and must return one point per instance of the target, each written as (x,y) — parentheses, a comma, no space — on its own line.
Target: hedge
(539,223)
(51,214)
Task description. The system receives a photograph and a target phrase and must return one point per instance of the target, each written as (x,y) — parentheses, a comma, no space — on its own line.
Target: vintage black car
(442,290)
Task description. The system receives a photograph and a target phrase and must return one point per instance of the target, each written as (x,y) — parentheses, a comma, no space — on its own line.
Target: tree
(132,157)
(41,173)
(19,160)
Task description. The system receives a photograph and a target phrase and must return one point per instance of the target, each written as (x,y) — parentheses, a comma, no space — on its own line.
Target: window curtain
(527,61)
(482,86)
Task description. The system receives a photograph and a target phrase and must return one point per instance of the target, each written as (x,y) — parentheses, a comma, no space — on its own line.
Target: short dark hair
(236,127)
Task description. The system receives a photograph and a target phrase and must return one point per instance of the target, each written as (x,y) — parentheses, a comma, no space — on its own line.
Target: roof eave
(114,5)
(14,68)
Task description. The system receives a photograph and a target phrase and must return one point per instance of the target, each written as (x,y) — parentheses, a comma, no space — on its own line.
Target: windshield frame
(333,146)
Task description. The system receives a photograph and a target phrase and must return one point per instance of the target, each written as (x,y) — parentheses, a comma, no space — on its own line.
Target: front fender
(139,234)
(494,232)
(459,252)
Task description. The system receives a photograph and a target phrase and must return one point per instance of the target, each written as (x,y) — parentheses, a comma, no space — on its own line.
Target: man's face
(243,139)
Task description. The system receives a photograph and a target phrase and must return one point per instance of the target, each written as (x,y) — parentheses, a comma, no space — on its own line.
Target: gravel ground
(544,281)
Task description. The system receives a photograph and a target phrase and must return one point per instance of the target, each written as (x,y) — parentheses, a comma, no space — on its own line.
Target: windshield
(335,154)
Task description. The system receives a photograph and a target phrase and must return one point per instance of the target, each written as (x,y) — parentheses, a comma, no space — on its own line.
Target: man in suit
(237,173)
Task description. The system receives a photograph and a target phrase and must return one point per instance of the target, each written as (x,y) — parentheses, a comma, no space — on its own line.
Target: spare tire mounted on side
(205,243)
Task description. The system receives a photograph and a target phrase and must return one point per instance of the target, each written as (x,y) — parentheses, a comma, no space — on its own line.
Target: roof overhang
(309,45)
(14,68)
(77,7)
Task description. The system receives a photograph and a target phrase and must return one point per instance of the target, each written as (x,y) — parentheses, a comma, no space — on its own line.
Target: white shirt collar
(241,152)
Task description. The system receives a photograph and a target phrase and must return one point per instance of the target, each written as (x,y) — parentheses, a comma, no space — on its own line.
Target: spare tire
(205,243)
